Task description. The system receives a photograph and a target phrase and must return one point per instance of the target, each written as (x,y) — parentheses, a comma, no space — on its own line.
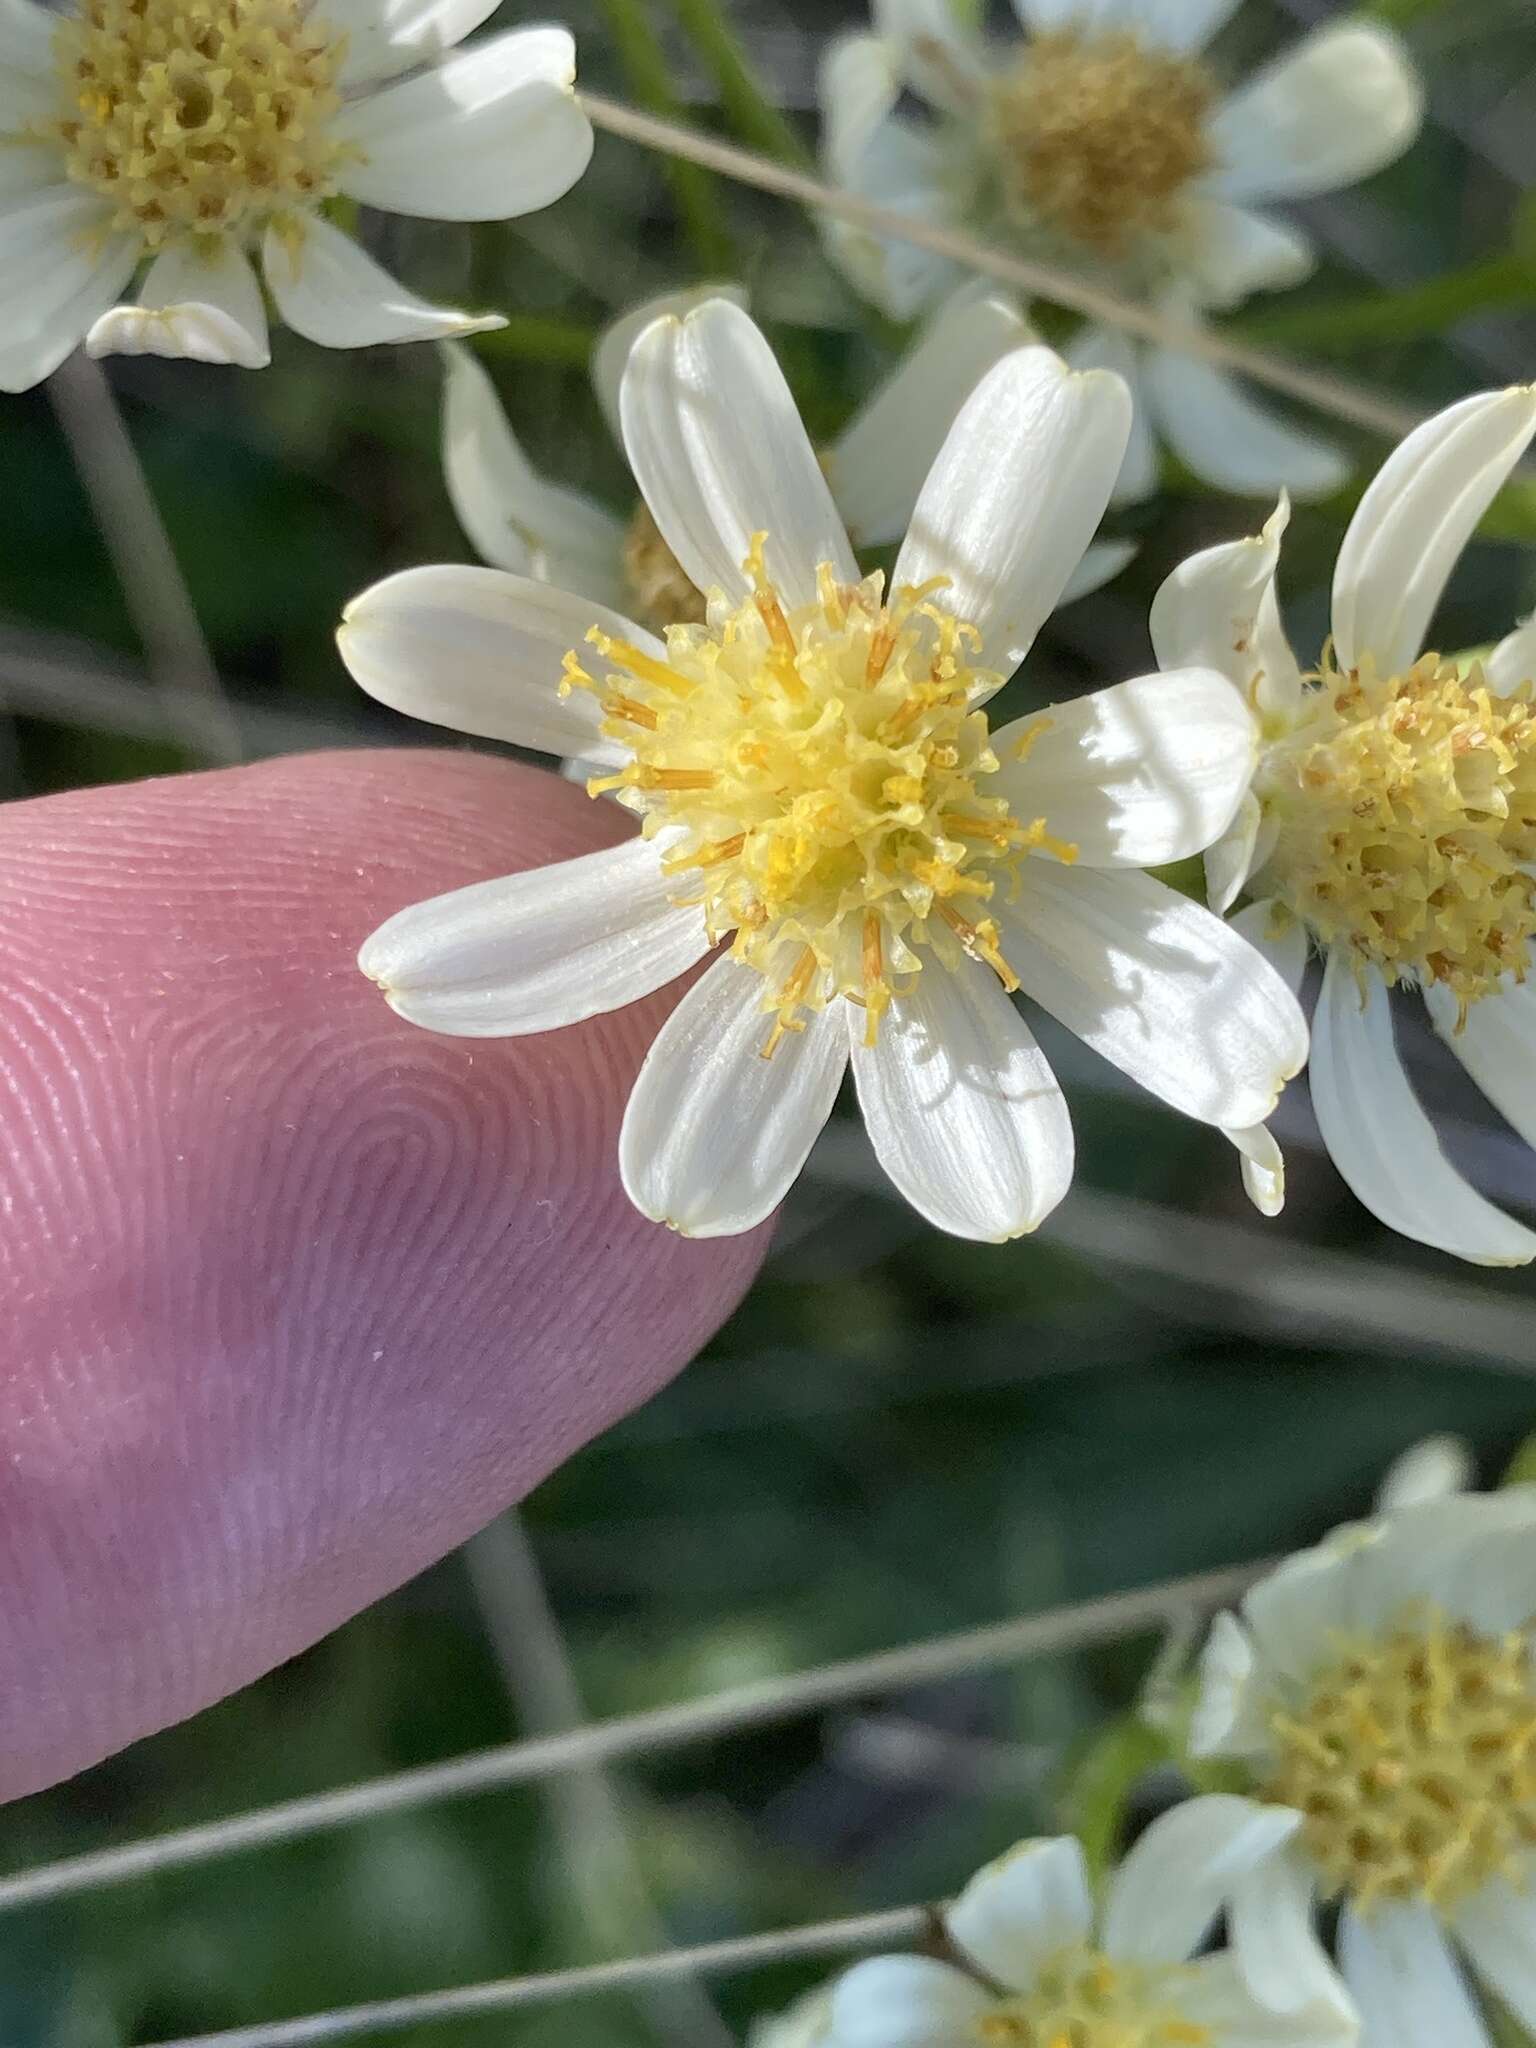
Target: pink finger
(293,1296)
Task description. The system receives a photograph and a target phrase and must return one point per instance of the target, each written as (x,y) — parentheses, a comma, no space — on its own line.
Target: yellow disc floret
(1413,1761)
(1406,815)
(197,117)
(812,777)
(1098,135)
(1080,1999)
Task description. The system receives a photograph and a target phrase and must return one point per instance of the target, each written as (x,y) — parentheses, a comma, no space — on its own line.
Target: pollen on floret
(816,775)
(1097,135)
(1413,1761)
(197,117)
(1082,1999)
(1405,809)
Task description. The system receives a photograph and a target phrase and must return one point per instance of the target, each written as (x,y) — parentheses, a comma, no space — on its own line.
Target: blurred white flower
(1391,822)
(1105,143)
(521,520)
(1382,1685)
(1052,1970)
(189,135)
(805,2024)
(817,783)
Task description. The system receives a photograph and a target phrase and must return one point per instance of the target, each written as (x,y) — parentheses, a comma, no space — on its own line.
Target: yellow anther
(197,117)
(645,668)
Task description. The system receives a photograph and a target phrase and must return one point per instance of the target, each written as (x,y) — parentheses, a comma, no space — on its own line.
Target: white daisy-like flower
(521,520)
(180,138)
(817,784)
(1383,1685)
(1049,1969)
(1391,822)
(1105,143)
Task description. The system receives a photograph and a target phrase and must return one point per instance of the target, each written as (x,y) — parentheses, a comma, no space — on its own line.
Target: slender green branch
(1402,315)
(693,188)
(750,113)
(540,338)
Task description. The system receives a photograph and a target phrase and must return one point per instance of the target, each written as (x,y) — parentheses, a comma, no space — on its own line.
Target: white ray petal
(910,169)
(1405,1981)
(1230,439)
(1513,661)
(1178,1876)
(1023,1909)
(939,60)
(388,37)
(962,1108)
(905,2002)
(1263,1167)
(1271,1925)
(1497,1046)
(491,133)
(29,36)
(1218,610)
(537,951)
(517,518)
(481,651)
(1226,253)
(1158,986)
(619,337)
(1228,1718)
(877,465)
(1331,110)
(200,301)
(1111,348)
(328,290)
(1498,1929)
(1008,534)
(1216,1996)
(1143,773)
(1381,1141)
(715,1134)
(1418,514)
(1184,26)
(716,444)
(1435,1468)
(62,270)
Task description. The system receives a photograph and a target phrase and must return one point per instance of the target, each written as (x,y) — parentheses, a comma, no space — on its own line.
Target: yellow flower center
(815,775)
(1082,2000)
(1406,808)
(1414,1762)
(663,595)
(1099,134)
(195,117)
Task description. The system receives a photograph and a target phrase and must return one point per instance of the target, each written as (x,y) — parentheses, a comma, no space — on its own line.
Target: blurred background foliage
(897,1435)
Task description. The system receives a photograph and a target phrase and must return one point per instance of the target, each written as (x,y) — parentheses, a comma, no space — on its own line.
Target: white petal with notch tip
(1158,986)
(715,1135)
(1381,1141)
(1218,610)
(1007,535)
(718,450)
(197,301)
(491,133)
(961,1106)
(480,650)
(1145,772)
(1417,515)
(537,951)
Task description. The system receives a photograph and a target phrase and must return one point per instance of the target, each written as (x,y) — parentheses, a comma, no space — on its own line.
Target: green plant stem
(693,188)
(750,113)
(539,338)
(1427,308)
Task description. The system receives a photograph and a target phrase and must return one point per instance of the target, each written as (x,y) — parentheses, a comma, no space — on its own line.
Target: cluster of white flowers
(1379,1695)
